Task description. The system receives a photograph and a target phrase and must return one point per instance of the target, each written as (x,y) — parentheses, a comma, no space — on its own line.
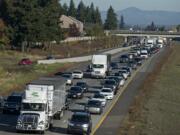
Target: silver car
(94,107)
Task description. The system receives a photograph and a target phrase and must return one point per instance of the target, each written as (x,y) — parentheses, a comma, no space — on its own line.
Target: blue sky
(168,5)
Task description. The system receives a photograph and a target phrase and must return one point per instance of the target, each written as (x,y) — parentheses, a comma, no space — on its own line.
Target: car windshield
(110,82)
(77,72)
(80,84)
(113,78)
(80,118)
(98,66)
(14,99)
(143,53)
(78,89)
(106,90)
(33,107)
(124,56)
(67,75)
(94,103)
(99,96)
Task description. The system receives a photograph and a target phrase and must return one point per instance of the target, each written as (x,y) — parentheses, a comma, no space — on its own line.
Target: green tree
(151,27)
(92,13)
(111,20)
(65,9)
(81,12)
(72,9)
(95,30)
(97,17)
(178,28)
(88,15)
(122,23)
(32,20)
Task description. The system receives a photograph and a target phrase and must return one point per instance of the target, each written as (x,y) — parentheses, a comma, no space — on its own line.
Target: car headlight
(19,122)
(71,124)
(79,94)
(41,123)
(85,125)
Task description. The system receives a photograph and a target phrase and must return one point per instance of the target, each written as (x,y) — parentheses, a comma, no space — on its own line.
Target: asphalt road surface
(112,124)
(8,122)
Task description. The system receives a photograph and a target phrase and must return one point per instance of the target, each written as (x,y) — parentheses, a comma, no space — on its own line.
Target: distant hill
(135,16)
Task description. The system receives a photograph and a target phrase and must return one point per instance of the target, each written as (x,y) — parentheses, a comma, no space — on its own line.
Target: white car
(77,74)
(144,54)
(108,93)
(69,79)
(124,73)
(122,82)
(101,98)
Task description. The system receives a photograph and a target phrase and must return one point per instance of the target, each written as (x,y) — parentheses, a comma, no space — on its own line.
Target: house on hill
(66,21)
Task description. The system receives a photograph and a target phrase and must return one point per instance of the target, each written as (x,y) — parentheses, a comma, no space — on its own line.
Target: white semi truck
(45,99)
(100,65)
(160,42)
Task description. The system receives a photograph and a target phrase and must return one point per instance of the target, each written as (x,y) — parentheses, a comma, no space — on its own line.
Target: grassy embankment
(14,77)
(156,111)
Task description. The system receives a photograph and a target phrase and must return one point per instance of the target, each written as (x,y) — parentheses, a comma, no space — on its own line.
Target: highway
(119,104)
(112,123)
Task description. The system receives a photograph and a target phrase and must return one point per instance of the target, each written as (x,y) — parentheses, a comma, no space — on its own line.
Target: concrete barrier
(82,58)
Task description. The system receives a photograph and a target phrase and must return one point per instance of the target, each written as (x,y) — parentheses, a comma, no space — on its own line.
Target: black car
(132,64)
(114,65)
(83,85)
(120,75)
(128,69)
(111,83)
(117,79)
(138,60)
(13,103)
(75,92)
(124,58)
(80,123)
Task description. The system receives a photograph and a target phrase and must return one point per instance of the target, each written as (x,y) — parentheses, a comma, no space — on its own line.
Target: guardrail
(144,32)
(72,39)
(81,59)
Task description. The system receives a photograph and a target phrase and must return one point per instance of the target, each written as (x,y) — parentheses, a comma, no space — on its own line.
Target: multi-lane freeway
(113,113)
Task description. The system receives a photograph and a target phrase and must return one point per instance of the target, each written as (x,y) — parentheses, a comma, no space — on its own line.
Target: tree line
(38,20)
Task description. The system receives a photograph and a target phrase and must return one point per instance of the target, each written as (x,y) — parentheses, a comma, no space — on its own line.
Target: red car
(25,61)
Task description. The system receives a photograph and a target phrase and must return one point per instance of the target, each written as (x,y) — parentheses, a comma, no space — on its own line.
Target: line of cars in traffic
(36,112)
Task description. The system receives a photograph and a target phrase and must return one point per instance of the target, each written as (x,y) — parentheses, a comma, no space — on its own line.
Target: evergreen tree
(88,15)
(98,17)
(122,24)
(65,9)
(111,20)
(81,12)
(72,9)
(32,20)
(92,13)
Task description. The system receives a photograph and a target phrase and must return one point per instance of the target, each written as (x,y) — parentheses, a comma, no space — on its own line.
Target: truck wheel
(50,126)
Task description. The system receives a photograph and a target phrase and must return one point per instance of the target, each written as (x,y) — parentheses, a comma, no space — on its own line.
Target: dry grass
(156,111)
(14,77)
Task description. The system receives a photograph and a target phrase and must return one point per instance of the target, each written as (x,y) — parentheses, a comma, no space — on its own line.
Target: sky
(166,5)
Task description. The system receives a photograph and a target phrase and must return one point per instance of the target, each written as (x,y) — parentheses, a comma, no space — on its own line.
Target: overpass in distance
(129,33)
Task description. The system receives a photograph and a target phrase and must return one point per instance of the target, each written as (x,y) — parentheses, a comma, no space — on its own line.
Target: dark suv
(83,85)
(75,92)
(80,123)
(13,103)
